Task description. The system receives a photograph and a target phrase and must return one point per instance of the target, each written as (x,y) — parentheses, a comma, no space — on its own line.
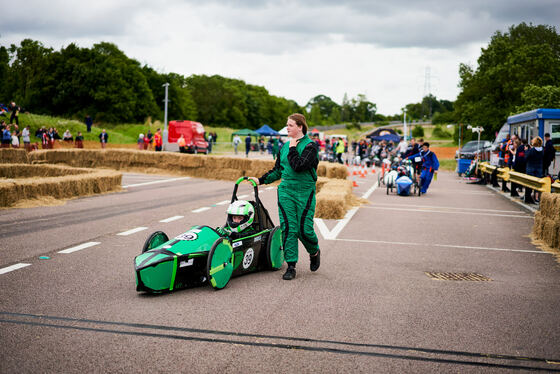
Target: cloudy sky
(296,49)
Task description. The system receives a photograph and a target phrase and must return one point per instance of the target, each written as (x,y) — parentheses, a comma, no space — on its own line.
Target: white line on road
(242,196)
(499,192)
(13,267)
(79,247)
(200,209)
(444,211)
(441,245)
(270,188)
(223,202)
(449,207)
(156,182)
(171,219)
(132,231)
(331,235)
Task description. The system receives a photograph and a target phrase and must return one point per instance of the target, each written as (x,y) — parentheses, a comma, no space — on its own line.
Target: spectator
(549,154)
(56,136)
(26,138)
(103,138)
(67,137)
(247,145)
(534,158)
(50,135)
(158,140)
(340,147)
(261,144)
(150,136)
(140,141)
(215,137)
(275,147)
(89,122)
(6,137)
(15,140)
(209,140)
(517,150)
(79,142)
(402,148)
(45,139)
(236,142)
(182,144)
(15,113)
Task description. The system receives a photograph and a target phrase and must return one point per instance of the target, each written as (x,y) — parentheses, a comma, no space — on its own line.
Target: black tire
(419,189)
(156,239)
(387,189)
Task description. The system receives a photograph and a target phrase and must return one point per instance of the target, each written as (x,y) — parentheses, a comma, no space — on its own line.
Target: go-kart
(201,255)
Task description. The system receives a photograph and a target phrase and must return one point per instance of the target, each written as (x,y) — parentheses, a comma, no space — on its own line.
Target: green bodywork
(158,266)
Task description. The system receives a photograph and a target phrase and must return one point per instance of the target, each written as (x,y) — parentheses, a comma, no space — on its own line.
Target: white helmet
(240,208)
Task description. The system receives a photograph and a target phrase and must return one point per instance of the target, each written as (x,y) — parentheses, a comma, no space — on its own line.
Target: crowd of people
(532,158)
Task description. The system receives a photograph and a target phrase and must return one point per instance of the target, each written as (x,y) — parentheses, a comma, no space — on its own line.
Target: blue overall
(430,164)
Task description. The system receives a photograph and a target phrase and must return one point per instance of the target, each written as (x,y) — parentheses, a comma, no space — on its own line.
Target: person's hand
(256,180)
(293,142)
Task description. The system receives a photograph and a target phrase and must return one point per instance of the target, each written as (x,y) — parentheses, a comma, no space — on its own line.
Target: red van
(193,132)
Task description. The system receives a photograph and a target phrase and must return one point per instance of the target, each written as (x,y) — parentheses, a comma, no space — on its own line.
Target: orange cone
(354,184)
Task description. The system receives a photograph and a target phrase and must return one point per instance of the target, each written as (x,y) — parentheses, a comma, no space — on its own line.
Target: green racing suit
(297,167)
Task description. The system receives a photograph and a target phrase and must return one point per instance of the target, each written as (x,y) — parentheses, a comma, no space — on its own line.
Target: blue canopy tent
(267,131)
(388,137)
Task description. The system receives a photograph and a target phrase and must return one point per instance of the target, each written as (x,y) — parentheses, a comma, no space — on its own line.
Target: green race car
(247,243)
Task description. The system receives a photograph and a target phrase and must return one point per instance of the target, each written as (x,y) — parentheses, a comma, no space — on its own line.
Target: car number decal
(248,258)
(237,244)
(257,238)
(189,235)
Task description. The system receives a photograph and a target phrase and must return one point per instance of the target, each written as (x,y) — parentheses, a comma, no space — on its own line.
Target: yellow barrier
(538,184)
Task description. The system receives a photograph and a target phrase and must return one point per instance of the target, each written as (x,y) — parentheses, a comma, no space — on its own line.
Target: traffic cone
(354,184)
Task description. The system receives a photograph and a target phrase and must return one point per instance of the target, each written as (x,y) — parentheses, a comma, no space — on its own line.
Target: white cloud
(296,49)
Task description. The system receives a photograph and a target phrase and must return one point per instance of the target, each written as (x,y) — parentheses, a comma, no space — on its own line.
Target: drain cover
(458,276)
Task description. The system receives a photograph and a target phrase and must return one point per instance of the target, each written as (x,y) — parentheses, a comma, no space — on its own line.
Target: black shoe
(290,273)
(315,261)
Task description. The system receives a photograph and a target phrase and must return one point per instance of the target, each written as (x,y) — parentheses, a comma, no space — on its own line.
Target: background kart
(201,255)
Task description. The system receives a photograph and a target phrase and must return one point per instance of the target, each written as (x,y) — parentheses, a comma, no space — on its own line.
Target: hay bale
(54,181)
(538,225)
(334,199)
(551,232)
(13,156)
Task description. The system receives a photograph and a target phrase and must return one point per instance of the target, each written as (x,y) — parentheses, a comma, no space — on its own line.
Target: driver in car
(240,218)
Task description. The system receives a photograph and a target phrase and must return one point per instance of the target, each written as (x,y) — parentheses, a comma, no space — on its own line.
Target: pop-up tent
(388,138)
(245,132)
(267,131)
(381,132)
(284,131)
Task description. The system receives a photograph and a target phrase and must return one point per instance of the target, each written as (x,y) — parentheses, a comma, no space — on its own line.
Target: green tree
(418,131)
(526,55)
(534,97)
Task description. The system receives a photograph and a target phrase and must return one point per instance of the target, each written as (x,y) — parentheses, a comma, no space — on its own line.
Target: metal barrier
(505,174)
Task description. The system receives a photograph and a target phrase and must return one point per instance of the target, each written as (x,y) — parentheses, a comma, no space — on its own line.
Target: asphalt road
(370,308)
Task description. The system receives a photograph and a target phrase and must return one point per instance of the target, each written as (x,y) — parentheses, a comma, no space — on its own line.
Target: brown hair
(299,119)
(536,142)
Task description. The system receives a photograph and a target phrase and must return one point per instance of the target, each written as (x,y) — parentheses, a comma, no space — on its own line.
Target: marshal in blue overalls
(430,165)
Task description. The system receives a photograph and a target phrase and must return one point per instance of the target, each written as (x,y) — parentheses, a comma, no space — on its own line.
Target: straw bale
(333,199)
(551,232)
(54,181)
(13,155)
(336,171)
(538,225)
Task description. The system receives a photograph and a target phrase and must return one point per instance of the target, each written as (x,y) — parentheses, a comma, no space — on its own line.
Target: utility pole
(165,134)
(405,131)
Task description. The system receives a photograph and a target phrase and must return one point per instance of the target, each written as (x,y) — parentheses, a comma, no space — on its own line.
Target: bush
(353,125)
(439,132)
(418,131)
(399,131)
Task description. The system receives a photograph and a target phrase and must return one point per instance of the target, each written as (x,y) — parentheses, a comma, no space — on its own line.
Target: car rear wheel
(219,267)
(274,250)
(155,240)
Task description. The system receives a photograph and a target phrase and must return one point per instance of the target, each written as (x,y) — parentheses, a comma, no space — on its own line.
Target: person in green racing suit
(296,165)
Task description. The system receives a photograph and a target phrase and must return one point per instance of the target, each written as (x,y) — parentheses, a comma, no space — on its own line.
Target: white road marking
(370,191)
(332,234)
(200,209)
(270,188)
(156,182)
(171,219)
(13,267)
(79,247)
(499,192)
(441,245)
(242,196)
(223,202)
(451,212)
(449,207)
(132,231)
